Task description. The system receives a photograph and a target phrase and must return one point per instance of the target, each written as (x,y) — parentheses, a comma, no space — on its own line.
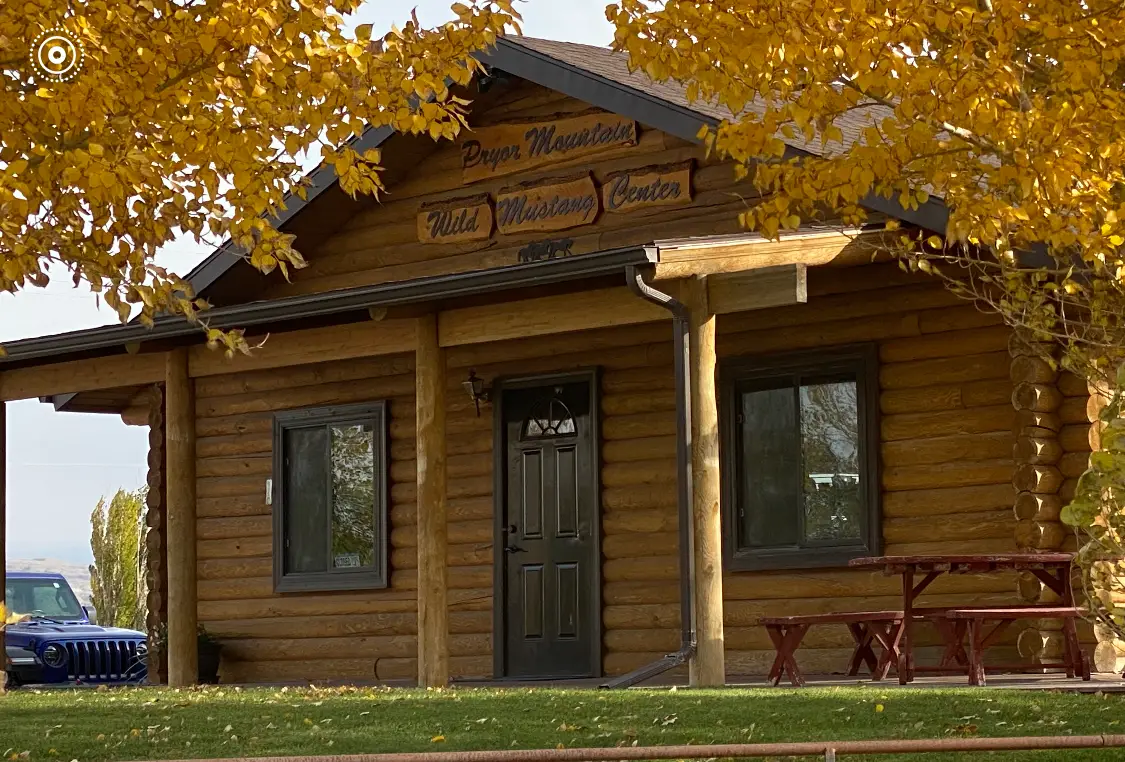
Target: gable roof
(600,77)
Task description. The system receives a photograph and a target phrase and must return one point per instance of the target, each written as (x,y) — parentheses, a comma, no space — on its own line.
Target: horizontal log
(647,568)
(234,589)
(1075,410)
(640,544)
(965,526)
(748,638)
(467,554)
(234,671)
(260,466)
(401,386)
(955,474)
(91,374)
(546,315)
(1067,489)
(1041,535)
(230,507)
(1037,450)
(370,646)
(233,527)
(457,466)
(1032,369)
(948,500)
(234,445)
(638,497)
(1032,507)
(945,370)
(631,473)
(960,317)
(1035,423)
(459,532)
(958,447)
(642,520)
(234,568)
(638,426)
(920,425)
(646,448)
(632,347)
(1072,385)
(343,605)
(259,381)
(633,382)
(1080,437)
(950,344)
(656,400)
(1041,479)
(462,509)
(1074,464)
(817,335)
(230,486)
(309,346)
(948,397)
(1042,398)
(240,547)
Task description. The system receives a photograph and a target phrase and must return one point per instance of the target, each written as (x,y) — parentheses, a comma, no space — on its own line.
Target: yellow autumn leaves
(195,120)
(1012,116)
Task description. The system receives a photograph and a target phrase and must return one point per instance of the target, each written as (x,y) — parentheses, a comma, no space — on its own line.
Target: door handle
(514,549)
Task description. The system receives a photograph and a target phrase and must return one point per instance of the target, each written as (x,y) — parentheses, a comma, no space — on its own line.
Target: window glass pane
(353,496)
(306,500)
(830,450)
(770,468)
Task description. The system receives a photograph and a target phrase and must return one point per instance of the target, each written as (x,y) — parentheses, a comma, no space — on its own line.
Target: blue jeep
(55,642)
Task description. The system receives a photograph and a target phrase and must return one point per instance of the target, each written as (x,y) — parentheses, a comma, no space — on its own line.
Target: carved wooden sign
(554,204)
(506,148)
(458,219)
(664,185)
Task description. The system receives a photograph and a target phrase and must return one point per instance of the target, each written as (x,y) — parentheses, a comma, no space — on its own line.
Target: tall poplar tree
(117,576)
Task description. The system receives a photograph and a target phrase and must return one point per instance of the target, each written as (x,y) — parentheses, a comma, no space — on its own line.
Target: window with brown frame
(800,458)
(329,502)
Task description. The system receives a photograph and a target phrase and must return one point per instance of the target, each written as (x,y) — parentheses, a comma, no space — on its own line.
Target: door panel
(548,535)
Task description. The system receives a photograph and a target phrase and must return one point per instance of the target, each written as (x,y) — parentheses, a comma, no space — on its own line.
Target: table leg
(889,635)
(953,634)
(863,653)
(976,652)
(786,640)
(906,652)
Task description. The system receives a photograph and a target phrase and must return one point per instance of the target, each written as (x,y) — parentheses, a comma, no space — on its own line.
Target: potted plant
(209,652)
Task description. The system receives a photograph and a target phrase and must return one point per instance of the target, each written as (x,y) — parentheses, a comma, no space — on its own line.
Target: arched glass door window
(549,417)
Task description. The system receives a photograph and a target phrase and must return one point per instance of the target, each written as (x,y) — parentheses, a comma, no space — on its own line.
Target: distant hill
(78,575)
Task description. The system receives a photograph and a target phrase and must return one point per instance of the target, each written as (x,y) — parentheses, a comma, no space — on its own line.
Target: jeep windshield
(42,598)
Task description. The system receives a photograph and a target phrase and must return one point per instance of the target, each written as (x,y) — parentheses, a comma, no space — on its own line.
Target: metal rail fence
(827,750)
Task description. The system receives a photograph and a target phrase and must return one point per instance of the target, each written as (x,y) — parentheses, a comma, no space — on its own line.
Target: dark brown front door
(548,532)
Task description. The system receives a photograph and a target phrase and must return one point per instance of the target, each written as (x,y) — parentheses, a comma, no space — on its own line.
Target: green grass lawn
(154,723)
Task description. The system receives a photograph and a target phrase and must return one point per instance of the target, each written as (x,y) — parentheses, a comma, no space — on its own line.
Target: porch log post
(3,532)
(183,658)
(707,667)
(433,617)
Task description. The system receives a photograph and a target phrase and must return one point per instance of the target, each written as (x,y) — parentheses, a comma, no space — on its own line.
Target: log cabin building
(544,410)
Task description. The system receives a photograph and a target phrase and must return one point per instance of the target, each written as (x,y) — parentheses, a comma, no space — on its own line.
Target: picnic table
(1052,569)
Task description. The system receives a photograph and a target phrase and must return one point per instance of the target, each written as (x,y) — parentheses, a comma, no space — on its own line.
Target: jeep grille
(103,660)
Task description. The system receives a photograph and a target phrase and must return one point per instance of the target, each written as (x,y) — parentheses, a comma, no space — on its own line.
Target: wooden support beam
(564,313)
(433,616)
(82,376)
(830,247)
(3,532)
(183,655)
(757,289)
(336,342)
(707,667)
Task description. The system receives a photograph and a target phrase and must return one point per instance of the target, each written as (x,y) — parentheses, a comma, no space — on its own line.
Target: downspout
(634,277)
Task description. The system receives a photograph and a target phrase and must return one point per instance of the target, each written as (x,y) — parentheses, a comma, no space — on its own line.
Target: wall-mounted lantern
(476,389)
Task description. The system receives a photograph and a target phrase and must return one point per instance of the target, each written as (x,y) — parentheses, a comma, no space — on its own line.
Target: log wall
(380,243)
(947,437)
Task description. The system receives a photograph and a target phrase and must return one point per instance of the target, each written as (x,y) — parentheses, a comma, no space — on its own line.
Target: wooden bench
(884,627)
(971,621)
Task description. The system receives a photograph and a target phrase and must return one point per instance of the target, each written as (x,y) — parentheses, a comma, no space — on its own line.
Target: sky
(60,464)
